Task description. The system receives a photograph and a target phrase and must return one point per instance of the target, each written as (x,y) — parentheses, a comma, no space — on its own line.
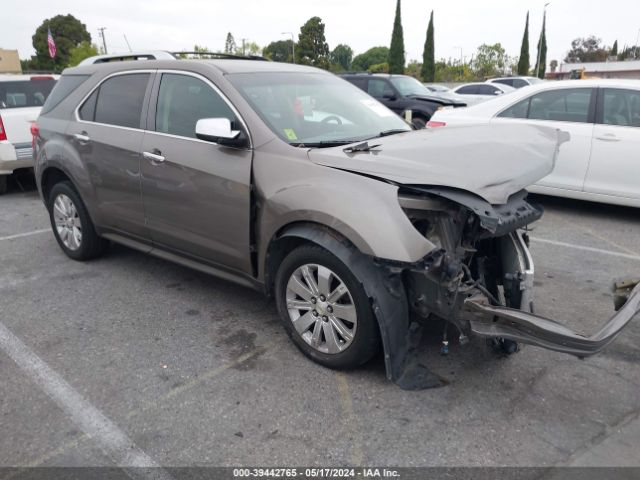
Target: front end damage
(480,277)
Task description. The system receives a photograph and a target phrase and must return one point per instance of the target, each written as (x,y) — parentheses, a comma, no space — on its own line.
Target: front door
(196,193)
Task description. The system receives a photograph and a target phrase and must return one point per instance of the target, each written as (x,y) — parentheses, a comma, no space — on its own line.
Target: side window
(621,107)
(567,105)
(519,110)
(118,100)
(379,88)
(183,100)
(519,83)
(468,90)
(506,81)
(88,109)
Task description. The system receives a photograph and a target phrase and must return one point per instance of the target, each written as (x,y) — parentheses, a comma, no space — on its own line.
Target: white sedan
(474,93)
(601,162)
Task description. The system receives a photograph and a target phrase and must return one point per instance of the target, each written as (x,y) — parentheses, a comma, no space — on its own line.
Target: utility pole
(129,46)
(243,40)
(104,42)
(635,49)
(293,46)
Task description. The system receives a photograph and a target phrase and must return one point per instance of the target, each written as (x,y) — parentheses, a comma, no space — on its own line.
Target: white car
(474,93)
(21,98)
(601,162)
(516,82)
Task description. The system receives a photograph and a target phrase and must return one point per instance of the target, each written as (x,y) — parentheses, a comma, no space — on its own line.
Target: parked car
(475,93)
(350,219)
(516,82)
(21,97)
(600,163)
(402,93)
(444,92)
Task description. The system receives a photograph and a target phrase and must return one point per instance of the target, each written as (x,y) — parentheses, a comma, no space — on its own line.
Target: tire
(3,184)
(418,123)
(68,216)
(345,315)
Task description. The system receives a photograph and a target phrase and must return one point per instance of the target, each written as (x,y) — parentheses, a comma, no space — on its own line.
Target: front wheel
(325,309)
(72,225)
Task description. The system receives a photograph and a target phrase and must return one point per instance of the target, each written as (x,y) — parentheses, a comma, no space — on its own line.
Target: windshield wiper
(323,143)
(393,131)
(361,147)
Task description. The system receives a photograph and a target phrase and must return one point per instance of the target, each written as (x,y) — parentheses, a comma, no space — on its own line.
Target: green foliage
(248,48)
(67,31)
(312,48)
(614,49)
(373,56)
(83,50)
(379,68)
(523,63)
(489,61)
(396,51)
(629,52)
(279,51)
(541,58)
(414,69)
(589,49)
(428,55)
(342,56)
(230,44)
(451,72)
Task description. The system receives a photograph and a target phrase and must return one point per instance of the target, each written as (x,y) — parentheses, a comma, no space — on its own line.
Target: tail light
(435,124)
(3,133)
(35,131)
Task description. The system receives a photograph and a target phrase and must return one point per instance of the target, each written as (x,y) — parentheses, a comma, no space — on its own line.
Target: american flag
(51,43)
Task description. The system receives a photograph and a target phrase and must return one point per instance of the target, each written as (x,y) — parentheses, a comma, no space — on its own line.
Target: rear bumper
(15,156)
(495,321)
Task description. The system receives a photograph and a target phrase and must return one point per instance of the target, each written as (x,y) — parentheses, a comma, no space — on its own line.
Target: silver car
(290,180)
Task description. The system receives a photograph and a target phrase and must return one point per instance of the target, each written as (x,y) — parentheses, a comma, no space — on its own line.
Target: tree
(396,51)
(489,61)
(67,32)
(373,56)
(414,69)
(449,72)
(587,49)
(614,49)
(312,48)
(541,59)
(523,63)
(248,48)
(279,51)
(342,56)
(230,44)
(379,68)
(83,50)
(428,55)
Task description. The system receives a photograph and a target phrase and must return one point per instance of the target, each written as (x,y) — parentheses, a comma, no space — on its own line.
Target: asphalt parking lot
(197,371)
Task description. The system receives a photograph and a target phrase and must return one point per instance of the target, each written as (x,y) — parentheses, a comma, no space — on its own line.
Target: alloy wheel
(67,221)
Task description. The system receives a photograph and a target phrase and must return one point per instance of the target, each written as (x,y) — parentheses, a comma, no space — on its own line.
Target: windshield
(409,86)
(316,109)
(438,88)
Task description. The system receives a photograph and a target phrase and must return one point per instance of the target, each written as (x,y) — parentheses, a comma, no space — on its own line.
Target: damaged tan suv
(291,180)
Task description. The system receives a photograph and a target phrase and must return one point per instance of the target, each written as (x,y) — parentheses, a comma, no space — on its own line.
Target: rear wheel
(325,309)
(418,123)
(72,225)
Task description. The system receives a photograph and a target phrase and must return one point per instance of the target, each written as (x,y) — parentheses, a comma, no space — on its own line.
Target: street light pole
(544,18)
(635,49)
(293,46)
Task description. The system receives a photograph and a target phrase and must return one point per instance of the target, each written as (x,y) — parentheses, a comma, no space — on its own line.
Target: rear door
(571,110)
(197,194)
(615,155)
(107,137)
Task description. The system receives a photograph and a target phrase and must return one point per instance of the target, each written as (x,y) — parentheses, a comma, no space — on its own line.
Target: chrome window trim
(84,99)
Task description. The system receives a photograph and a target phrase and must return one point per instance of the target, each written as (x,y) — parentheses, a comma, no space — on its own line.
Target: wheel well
(50,177)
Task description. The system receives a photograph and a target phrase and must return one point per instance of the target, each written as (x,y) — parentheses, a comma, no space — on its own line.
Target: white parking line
(26,234)
(113,441)
(586,249)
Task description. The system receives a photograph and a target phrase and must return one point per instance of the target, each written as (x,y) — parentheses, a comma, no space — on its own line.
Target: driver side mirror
(389,96)
(218,130)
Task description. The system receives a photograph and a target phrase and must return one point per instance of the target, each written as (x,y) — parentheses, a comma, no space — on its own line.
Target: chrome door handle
(82,137)
(154,157)
(608,138)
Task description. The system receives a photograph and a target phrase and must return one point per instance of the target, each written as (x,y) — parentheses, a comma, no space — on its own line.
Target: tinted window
(120,100)
(488,90)
(379,88)
(506,81)
(183,100)
(468,90)
(88,110)
(621,107)
(63,87)
(519,83)
(25,93)
(519,110)
(570,105)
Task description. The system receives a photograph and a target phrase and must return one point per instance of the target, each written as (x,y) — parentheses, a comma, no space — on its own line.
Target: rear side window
(117,101)
(183,100)
(488,90)
(567,105)
(468,90)
(25,93)
(505,81)
(63,87)
(621,107)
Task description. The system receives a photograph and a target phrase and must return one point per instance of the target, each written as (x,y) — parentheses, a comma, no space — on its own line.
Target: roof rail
(219,55)
(121,57)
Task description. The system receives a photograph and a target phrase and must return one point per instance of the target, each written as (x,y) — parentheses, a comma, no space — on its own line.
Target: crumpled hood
(492,161)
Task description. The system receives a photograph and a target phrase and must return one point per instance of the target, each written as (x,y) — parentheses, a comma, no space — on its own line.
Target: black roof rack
(219,55)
